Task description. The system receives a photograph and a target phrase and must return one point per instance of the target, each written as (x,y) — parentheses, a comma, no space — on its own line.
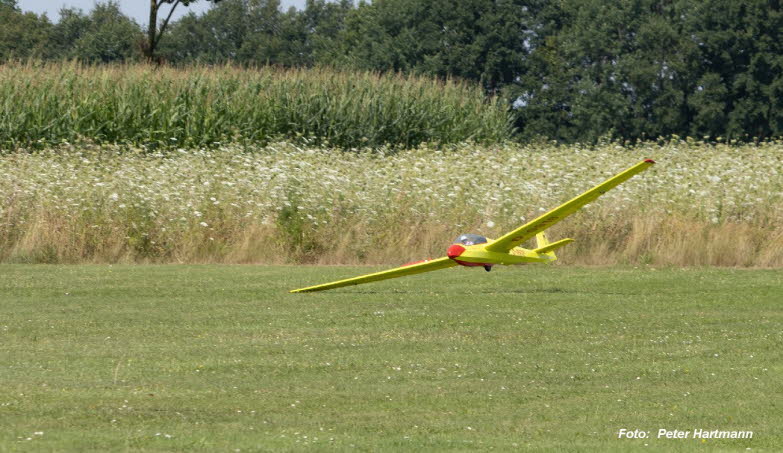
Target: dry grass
(701,205)
(678,241)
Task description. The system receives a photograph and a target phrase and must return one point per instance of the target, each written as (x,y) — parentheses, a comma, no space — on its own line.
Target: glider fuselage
(478,255)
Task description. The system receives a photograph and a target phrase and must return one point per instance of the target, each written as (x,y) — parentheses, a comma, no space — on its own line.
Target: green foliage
(205,106)
(22,35)
(257,32)
(105,36)
(241,31)
(156,28)
(211,38)
(481,40)
(741,50)
(645,69)
(67,31)
(319,26)
(610,67)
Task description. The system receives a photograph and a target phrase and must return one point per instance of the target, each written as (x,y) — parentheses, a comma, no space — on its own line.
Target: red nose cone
(455,250)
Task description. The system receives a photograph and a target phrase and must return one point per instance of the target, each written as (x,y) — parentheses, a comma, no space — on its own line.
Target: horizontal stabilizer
(554,246)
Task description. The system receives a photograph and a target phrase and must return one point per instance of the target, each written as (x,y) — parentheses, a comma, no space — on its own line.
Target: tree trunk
(152,27)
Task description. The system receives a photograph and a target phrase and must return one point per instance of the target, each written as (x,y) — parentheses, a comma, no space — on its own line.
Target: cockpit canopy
(470,239)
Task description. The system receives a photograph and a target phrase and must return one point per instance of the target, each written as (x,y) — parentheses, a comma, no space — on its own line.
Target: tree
(295,38)
(73,24)
(154,30)
(104,35)
(481,40)
(740,72)
(258,32)
(192,39)
(623,69)
(318,29)
(262,42)
(111,36)
(22,35)
(235,30)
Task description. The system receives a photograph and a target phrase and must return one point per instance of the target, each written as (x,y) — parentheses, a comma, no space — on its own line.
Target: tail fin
(544,247)
(541,240)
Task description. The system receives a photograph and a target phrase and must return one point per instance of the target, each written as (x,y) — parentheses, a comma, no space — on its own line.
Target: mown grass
(222,358)
(205,106)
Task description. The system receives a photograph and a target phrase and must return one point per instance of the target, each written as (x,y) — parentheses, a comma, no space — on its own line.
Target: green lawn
(222,358)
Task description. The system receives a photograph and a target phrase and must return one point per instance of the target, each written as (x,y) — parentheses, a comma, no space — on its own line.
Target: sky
(137,9)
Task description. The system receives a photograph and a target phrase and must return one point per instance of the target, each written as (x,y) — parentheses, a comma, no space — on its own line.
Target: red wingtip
(649,161)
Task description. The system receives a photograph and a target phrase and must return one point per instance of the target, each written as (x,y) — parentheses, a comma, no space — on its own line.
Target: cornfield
(52,104)
(288,203)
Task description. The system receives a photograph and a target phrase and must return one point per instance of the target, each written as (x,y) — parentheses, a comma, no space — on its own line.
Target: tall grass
(701,205)
(45,104)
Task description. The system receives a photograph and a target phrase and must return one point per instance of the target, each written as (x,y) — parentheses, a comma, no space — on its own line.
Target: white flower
(204,224)
(490,224)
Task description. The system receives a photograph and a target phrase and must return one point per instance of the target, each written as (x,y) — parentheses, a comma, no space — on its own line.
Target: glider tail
(546,248)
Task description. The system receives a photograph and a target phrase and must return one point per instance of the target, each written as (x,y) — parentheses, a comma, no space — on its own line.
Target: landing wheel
(487,268)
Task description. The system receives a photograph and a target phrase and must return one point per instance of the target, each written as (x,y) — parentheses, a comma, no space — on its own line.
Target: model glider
(476,250)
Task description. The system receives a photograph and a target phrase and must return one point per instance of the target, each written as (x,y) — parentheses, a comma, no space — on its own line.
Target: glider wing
(527,231)
(411,269)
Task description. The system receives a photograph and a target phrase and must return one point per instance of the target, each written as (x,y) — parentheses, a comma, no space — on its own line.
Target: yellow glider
(476,250)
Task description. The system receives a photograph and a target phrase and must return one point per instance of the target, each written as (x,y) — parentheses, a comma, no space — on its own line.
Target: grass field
(222,358)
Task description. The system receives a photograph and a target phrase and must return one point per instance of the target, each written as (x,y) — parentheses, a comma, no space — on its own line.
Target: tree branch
(165,23)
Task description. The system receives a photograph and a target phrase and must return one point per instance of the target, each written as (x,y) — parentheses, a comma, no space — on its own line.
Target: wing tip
(649,161)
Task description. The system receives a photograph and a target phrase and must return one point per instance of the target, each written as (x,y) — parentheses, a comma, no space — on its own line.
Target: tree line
(570,70)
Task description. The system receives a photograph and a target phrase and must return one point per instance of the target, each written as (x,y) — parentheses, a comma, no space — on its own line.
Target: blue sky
(137,9)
